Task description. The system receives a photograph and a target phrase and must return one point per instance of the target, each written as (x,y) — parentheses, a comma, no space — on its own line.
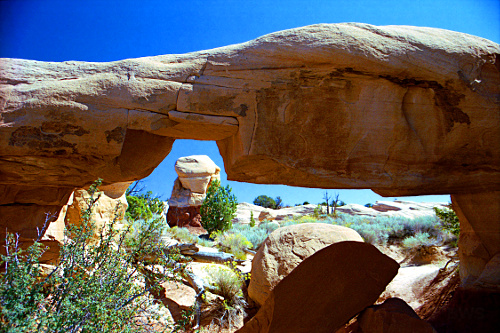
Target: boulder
(195,173)
(285,248)
(392,316)
(326,290)
(177,297)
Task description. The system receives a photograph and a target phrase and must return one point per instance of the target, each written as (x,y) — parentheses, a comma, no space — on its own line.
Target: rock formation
(325,290)
(285,248)
(398,208)
(397,109)
(194,175)
(392,316)
(111,205)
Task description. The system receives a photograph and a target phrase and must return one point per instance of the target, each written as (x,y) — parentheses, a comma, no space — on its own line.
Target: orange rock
(285,248)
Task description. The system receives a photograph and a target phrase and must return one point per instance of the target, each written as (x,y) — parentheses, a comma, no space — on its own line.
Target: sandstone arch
(400,110)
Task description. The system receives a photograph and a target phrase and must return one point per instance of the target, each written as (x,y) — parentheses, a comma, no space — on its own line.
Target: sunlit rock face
(397,109)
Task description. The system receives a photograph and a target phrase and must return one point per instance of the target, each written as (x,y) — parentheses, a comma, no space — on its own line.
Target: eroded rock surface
(286,248)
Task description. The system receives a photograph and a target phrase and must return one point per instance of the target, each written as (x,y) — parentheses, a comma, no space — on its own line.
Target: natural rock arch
(400,110)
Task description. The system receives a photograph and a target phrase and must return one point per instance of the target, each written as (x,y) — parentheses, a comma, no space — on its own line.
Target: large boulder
(195,173)
(286,248)
(325,290)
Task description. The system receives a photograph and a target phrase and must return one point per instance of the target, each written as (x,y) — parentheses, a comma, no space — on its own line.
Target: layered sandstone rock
(194,173)
(400,110)
(110,206)
(325,290)
(286,248)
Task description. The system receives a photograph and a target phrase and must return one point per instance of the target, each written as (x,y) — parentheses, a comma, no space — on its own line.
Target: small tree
(252,220)
(278,203)
(264,201)
(142,205)
(449,220)
(335,204)
(218,208)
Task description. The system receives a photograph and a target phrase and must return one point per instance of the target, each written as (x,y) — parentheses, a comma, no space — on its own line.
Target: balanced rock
(194,173)
(326,290)
(285,248)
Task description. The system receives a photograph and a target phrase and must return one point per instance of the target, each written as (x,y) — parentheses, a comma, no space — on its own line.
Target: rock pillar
(195,173)
(479,243)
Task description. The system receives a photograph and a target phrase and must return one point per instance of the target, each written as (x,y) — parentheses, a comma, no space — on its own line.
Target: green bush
(264,201)
(234,243)
(449,220)
(268,202)
(95,287)
(218,208)
(143,205)
(418,240)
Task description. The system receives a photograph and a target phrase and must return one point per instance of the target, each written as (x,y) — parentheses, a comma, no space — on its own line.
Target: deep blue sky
(109,30)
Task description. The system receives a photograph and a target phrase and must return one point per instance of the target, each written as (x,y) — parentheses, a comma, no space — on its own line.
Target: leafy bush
(449,220)
(218,208)
(143,206)
(234,243)
(95,287)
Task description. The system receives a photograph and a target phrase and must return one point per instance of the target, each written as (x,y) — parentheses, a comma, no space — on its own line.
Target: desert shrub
(228,284)
(142,205)
(418,240)
(449,220)
(183,235)
(234,243)
(225,282)
(257,235)
(218,208)
(380,230)
(95,287)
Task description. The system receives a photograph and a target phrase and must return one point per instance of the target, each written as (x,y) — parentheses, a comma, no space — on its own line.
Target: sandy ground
(416,272)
